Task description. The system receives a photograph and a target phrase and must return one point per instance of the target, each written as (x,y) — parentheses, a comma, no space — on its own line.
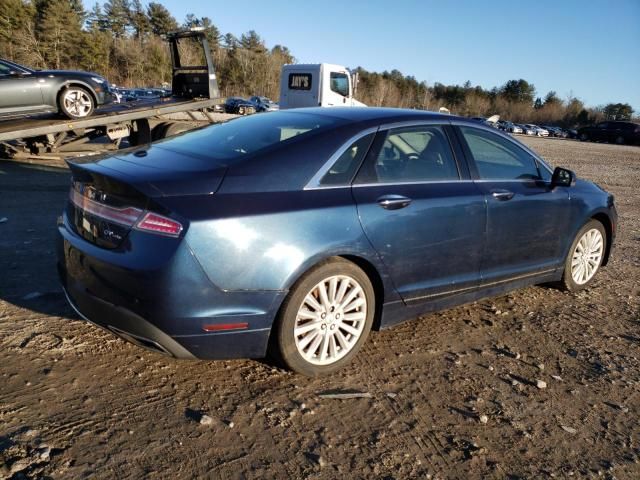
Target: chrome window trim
(314,183)
(539,160)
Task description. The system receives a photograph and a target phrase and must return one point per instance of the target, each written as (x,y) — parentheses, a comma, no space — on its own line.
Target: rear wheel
(76,103)
(585,256)
(326,318)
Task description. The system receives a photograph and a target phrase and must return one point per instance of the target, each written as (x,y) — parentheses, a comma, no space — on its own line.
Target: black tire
(567,282)
(584,137)
(619,140)
(83,107)
(285,341)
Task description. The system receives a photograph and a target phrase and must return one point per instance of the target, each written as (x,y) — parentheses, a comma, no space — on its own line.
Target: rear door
(527,220)
(421,212)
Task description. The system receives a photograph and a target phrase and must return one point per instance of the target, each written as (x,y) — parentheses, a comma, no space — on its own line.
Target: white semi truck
(317,85)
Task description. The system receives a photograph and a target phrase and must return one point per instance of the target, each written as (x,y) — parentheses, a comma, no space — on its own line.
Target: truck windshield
(248,135)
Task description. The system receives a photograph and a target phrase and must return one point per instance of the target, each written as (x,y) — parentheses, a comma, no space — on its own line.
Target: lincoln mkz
(300,231)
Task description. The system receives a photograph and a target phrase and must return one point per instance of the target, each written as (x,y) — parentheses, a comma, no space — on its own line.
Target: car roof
(361,114)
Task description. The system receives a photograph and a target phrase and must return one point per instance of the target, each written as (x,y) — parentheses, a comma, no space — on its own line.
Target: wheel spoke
(353,317)
(307,327)
(344,344)
(348,328)
(324,349)
(324,298)
(344,284)
(312,302)
(314,345)
(355,304)
(333,286)
(308,339)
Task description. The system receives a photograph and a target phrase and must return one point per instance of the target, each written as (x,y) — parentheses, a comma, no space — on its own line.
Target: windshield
(241,137)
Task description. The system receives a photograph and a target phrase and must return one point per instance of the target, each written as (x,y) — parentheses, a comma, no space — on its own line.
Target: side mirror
(563,177)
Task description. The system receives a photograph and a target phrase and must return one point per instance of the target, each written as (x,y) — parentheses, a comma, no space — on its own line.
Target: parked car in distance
(73,94)
(527,129)
(511,127)
(572,133)
(239,105)
(555,131)
(540,132)
(613,132)
(301,230)
(264,104)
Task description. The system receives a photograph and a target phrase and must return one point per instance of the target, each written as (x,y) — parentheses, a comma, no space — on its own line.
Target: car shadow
(32,196)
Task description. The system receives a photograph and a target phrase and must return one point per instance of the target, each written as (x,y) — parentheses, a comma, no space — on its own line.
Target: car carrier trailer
(193,102)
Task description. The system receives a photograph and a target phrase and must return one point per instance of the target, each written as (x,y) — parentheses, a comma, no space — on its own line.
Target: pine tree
(139,20)
(161,20)
(59,29)
(118,16)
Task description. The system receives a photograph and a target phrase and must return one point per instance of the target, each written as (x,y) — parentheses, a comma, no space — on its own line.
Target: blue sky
(589,48)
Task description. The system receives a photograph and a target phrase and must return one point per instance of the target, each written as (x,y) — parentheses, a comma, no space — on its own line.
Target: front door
(526,218)
(421,213)
(20,91)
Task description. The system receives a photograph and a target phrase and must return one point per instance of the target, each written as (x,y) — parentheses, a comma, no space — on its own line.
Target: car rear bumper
(169,306)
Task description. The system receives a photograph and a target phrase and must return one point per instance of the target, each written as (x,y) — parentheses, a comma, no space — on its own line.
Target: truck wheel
(76,103)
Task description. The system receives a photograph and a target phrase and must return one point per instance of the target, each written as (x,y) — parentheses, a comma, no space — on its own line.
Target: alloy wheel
(330,320)
(77,103)
(587,256)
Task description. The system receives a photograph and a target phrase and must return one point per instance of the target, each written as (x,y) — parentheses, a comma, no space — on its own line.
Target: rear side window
(415,154)
(245,136)
(340,83)
(343,170)
(498,158)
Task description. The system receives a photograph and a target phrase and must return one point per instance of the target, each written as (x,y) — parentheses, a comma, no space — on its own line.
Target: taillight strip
(127,216)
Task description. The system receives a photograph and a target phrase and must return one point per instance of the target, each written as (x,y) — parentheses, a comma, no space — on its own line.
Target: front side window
(343,170)
(340,83)
(415,154)
(498,158)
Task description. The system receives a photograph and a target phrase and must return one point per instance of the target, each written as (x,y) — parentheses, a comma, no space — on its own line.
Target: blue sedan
(300,231)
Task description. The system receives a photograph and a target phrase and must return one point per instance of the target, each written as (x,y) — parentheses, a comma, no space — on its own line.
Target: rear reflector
(155,223)
(225,326)
(123,216)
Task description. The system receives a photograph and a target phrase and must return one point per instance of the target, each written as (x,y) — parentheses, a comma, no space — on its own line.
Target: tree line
(122,40)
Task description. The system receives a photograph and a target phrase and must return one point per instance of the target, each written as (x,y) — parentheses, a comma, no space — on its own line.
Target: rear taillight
(122,216)
(155,223)
(127,216)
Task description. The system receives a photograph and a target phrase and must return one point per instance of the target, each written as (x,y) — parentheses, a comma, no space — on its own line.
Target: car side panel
(284,235)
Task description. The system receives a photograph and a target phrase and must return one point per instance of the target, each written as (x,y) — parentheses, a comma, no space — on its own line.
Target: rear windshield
(245,136)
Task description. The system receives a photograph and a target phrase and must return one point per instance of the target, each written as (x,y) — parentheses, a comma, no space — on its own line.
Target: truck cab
(317,85)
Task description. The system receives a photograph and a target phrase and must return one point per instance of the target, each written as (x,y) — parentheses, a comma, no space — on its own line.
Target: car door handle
(502,194)
(393,202)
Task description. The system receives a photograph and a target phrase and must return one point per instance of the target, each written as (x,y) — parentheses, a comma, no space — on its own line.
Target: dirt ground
(452,395)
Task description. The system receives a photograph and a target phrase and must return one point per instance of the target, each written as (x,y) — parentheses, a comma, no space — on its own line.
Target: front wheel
(76,103)
(326,318)
(585,257)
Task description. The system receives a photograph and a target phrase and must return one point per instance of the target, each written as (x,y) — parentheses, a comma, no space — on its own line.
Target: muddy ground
(452,395)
